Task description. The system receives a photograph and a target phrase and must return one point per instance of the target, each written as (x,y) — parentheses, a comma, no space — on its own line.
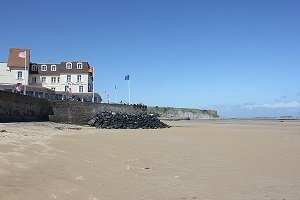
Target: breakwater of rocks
(111,120)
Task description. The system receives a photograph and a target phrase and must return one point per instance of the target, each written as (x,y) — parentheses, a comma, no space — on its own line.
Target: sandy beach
(216,159)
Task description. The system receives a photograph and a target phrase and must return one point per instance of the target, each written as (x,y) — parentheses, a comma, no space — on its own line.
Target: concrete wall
(72,112)
(18,108)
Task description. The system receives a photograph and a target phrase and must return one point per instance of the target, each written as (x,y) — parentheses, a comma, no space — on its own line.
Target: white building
(66,79)
(73,77)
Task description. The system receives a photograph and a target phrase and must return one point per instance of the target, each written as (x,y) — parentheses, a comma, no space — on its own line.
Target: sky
(241,58)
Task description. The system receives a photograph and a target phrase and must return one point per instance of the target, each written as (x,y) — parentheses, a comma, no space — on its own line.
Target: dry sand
(195,160)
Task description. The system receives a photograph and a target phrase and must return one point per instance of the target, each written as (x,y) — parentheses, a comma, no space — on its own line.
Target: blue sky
(241,58)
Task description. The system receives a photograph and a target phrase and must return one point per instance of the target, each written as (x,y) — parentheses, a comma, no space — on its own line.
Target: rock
(107,120)
(92,121)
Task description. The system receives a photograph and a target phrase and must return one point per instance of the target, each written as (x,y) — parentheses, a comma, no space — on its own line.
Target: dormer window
(79,65)
(69,65)
(53,68)
(44,67)
(34,68)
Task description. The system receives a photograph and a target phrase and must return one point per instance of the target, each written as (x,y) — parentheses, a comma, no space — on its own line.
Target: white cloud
(227,107)
(249,105)
(285,105)
(253,109)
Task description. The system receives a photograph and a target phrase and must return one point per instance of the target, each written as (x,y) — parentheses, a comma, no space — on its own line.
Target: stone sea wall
(74,112)
(19,108)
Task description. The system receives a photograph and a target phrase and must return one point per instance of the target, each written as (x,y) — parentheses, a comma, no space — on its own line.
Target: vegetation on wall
(182,112)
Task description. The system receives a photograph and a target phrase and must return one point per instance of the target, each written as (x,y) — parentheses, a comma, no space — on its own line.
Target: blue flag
(127,78)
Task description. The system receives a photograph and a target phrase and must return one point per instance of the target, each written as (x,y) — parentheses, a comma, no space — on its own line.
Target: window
(44,67)
(80,88)
(68,78)
(20,75)
(53,67)
(34,68)
(66,88)
(43,79)
(53,88)
(53,79)
(58,79)
(33,79)
(79,65)
(69,65)
(78,78)
(89,88)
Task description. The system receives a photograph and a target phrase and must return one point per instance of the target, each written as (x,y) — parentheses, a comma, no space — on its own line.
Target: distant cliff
(182,113)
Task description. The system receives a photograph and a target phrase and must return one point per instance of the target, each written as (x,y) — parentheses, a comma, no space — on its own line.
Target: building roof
(85,66)
(60,69)
(47,72)
(15,61)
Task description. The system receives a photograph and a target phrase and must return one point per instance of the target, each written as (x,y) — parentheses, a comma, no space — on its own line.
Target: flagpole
(93,100)
(116,94)
(25,75)
(129,90)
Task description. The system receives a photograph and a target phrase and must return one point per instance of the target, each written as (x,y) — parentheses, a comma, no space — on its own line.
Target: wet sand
(194,160)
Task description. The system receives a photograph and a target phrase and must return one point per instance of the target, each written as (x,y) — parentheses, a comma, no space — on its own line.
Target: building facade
(65,80)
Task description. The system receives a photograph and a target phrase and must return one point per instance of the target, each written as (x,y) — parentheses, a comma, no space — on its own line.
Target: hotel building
(60,81)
